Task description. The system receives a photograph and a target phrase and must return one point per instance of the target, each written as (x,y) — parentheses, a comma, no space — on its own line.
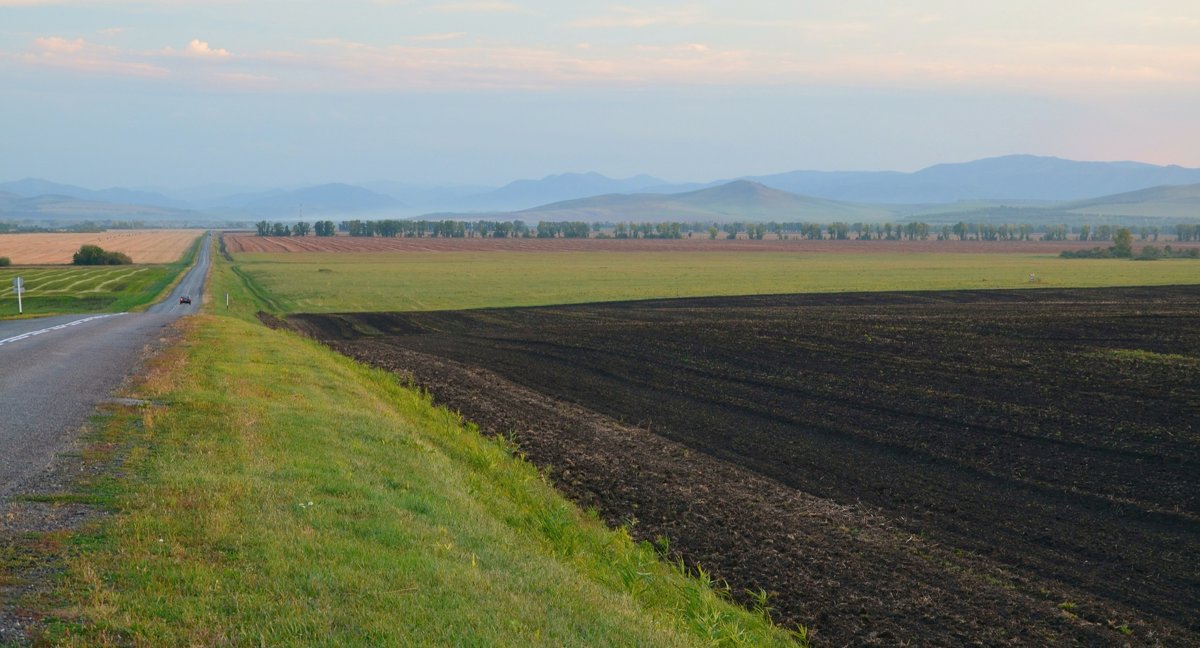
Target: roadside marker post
(19,287)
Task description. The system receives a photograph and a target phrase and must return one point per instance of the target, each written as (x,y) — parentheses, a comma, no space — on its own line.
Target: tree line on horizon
(838,231)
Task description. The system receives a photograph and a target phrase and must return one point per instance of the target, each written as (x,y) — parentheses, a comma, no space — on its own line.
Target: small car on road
(185,300)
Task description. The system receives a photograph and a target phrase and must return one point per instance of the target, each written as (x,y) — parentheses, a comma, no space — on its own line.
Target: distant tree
(95,255)
(5,261)
(1150,252)
(1056,233)
(279,229)
(301,229)
(324,228)
(960,230)
(1123,243)
(712,232)
(1085,232)
(264,228)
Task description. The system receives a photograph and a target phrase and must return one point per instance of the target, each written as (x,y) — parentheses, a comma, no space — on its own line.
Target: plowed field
(143,246)
(896,468)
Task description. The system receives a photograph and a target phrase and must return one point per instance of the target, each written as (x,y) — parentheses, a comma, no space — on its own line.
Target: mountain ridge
(1006,180)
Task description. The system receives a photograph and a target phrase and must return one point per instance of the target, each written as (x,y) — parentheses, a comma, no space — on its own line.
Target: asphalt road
(54,371)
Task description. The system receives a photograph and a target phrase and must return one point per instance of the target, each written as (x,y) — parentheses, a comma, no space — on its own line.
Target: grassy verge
(454,280)
(280,494)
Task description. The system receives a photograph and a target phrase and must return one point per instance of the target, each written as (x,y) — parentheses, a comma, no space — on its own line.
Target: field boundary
(257,292)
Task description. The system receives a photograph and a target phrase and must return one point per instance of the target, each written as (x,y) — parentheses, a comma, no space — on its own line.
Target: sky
(185,93)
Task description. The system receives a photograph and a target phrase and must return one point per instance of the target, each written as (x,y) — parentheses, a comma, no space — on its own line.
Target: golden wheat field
(143,246)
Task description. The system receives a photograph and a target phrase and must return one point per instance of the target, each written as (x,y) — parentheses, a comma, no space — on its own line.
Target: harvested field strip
(84,289)
(70,281)
(102,286)
(995,428)
(143,246)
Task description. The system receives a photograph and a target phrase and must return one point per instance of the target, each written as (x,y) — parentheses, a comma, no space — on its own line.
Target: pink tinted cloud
(201,48)
(58,45)
(81,56)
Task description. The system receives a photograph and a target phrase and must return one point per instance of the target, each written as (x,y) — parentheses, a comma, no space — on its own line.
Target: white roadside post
(19,287)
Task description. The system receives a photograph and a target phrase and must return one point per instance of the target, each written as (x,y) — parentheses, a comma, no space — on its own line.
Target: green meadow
(92,289)
(296,282)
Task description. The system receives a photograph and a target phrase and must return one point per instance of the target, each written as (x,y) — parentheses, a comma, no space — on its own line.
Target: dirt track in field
(935,468)
(251,243)
(143,246)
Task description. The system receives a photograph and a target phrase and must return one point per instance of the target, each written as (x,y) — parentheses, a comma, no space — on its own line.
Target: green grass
(95,289)
(52,290)
(280,494)
(453,280)
(1149,357)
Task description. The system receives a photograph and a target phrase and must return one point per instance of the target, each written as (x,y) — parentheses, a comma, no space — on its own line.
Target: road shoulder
(65,500)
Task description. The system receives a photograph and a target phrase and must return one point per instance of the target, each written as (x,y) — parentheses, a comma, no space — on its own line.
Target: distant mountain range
(308,202)
(1052,185)
(1014,177)
(738,200)
(51,207)
(33,187)
(744,200)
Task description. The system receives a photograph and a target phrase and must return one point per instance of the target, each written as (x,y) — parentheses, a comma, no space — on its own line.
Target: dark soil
(898,468)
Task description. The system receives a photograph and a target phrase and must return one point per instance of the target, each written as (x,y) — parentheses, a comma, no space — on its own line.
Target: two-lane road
(54,371)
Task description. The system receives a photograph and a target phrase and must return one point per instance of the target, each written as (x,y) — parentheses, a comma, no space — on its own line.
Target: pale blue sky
(183,92)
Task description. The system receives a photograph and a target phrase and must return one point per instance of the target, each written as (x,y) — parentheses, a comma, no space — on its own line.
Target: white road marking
(23,336)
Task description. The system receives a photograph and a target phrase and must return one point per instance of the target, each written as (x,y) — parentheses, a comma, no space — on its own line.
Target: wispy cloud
(57,45)
(434,38)
(480,6)
(634,18)
(451,60)
(78,55)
